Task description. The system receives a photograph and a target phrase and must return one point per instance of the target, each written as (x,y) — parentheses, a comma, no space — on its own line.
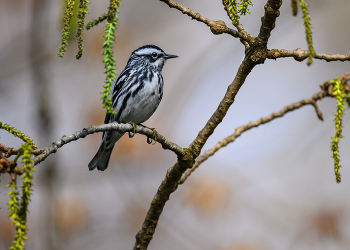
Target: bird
(136,95)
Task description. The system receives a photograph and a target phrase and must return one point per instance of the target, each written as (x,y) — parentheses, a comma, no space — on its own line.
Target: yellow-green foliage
(339,92)
(27,179)
(294,7)
(66,27)
(111,26)
(308,30)
(17,133)
(18,210)
(18,243)
(243,8)
(83,10)
(96,21)
(109,60)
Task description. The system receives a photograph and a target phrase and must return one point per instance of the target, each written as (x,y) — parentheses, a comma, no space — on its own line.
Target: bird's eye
(154,55)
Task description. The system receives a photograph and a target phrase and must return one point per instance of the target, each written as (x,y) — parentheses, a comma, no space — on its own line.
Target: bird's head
(151,55)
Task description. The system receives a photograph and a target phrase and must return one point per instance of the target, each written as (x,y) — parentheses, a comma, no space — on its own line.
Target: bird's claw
(149,139)
(134,127)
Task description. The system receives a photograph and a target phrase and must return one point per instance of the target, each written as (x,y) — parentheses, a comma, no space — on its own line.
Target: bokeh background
(274,188)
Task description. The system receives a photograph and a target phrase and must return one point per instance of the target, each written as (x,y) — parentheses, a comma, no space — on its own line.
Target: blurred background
(274,188)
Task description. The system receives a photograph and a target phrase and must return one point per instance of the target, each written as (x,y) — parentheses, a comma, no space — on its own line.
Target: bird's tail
(101,158)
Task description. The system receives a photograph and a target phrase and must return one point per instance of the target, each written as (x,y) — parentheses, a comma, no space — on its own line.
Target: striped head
(149,55)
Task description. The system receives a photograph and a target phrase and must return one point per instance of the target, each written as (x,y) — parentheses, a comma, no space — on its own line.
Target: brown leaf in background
(7,232)
(208,194)
(327,224)
(70,217)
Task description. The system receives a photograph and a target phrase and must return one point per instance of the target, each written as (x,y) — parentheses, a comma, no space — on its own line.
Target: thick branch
(168,186)
(269,19)
(123,128)
(216,27)
(300,55)
(232,90)
(250,125)
(255,54)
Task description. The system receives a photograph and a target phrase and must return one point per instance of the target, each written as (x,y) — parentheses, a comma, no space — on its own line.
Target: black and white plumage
(135,96)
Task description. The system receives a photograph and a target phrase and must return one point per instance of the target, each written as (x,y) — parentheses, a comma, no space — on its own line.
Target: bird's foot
(149,139)
(134,127)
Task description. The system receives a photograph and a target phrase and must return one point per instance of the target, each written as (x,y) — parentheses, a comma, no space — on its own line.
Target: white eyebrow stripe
(147,51)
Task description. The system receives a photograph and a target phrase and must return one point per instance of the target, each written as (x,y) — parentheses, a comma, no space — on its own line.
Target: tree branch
(300,55)
(217,117)
(14,151)
(256,54)
(123,128)
(240,130)
(167,187)
(5,164)
(216,27)
(170,182)
(268,21)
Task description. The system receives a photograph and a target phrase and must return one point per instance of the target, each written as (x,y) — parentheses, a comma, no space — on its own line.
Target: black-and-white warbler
(135,96)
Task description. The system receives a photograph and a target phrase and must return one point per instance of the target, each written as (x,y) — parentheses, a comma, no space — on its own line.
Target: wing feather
(121,83)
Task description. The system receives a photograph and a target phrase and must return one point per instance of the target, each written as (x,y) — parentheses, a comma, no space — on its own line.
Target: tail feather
(101,158)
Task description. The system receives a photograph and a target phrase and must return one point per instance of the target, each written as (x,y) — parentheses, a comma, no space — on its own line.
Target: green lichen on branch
(17,133)
(109,60)
(18,210)
(339,93)
(83,10)
(66,27)
(295,7)
(235,8)
(308,30)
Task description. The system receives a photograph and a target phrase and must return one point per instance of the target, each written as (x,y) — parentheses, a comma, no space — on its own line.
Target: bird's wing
(121,82)
(118,86)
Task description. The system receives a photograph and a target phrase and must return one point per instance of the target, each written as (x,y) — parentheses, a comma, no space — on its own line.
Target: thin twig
(216,27)
(250,125)
(166,144)
(300,55)
(5,164)
(14,151)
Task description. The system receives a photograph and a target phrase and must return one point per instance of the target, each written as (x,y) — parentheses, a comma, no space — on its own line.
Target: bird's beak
(166,56)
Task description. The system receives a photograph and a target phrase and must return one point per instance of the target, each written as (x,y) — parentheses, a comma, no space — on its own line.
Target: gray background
(274,188)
